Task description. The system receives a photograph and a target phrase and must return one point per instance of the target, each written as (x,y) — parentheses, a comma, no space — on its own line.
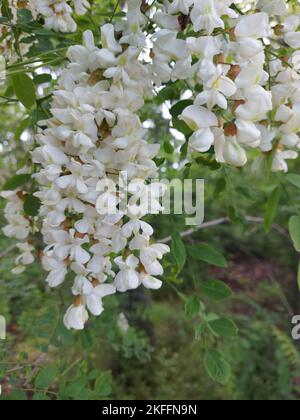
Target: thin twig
(7,251)
(225,220)
(114,11)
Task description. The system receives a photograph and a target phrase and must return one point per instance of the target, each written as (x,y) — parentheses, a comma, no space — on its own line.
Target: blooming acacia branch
(239,86)
(93,136)
(242,101)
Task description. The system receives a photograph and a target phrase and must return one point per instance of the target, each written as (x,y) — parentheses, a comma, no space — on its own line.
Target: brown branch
(225,220)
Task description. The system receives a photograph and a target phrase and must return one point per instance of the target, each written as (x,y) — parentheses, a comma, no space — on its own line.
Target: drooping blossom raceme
(19,227)
(58,13)
(57,16)
(7,35)
(241,81)
(242,72)
(93,143)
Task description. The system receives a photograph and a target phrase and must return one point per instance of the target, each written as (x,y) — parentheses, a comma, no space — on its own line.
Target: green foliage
(46,377)
(271,208)
(208,254)
(24,89)
(16,182)
(293,179)
(294,229)
(217,367)
(32,205)
(178,250)
(192,306)
(215,289)
(223,327)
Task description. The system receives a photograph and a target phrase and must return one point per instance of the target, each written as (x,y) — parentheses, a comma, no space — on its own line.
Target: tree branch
(225,220)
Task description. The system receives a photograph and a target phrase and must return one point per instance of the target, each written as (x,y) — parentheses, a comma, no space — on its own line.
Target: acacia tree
(92,85)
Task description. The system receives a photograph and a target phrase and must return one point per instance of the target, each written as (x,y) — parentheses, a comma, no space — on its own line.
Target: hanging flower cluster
(248,98)
(56,14)
(243,70)
(94,137)
(19,227)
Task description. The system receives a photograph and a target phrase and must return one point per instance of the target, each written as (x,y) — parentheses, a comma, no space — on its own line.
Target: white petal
(197,117)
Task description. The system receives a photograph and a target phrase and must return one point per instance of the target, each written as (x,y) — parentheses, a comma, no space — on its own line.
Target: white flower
(94,299)
(150,282)
(258,104)
(198,117)
(76,317)
(216,88)
(280,157)
(182,6)
(205,46)
(253,26)
(68,244)
(108,39)
(272,7)
(206,15)
(128,277)
(81,6)
(201,140)
(108,200)
(248,133)
(293,39)
(25,258)
(228,150)
(149,257)
(58,270)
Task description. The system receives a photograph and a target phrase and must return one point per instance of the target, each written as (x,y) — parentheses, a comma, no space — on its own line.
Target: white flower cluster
(94,137)
(58,13)
(18,227)
(242,85)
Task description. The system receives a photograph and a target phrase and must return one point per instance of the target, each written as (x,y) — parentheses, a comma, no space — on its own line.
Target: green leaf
(24,89)
(294,229)
(298,276)
(168,148)
(178,250)
(208,254)
(42,78)
(24,16)
(216,290)
(103,385)
(16,182)
(199,330)
(6,10)
(46,377)
(220,186)
(167,93)
(293,179)
(271,209)
(217,367)
(192,306)
(232,214)
(182,127)
(21,128)
(223,327)
(32,205)
(40,396)
(179,107)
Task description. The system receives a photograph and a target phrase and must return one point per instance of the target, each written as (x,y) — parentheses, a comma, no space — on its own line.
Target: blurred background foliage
(154,345)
